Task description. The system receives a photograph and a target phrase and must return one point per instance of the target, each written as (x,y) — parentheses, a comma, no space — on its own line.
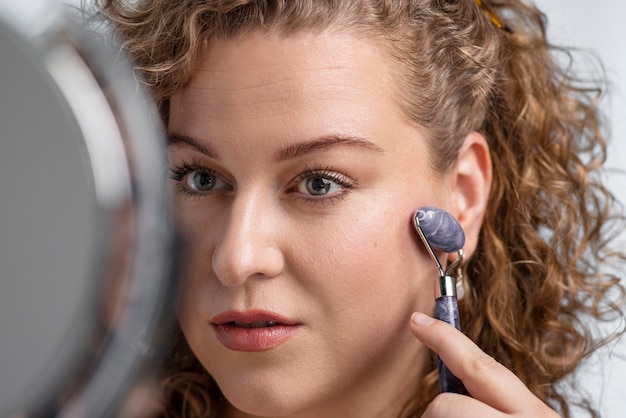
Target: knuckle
(482,364)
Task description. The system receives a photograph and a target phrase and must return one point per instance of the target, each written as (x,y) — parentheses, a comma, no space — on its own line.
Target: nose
(249,244)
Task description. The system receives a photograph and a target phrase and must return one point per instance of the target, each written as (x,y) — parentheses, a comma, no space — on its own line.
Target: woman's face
(296,175)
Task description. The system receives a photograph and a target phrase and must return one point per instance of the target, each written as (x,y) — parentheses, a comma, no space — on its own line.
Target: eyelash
(180,171)
(328,173)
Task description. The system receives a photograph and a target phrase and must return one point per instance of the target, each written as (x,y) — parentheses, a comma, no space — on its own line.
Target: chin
(263,404)
(270,394)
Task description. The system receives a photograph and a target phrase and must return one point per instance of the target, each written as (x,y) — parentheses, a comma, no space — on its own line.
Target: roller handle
(447,310)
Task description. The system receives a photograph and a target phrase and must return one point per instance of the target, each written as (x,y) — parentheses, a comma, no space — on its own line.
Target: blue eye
(318,186)
(201,181)
(197,180)
(323,185)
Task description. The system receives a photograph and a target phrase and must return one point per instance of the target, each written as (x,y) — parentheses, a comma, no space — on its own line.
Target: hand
(495,390)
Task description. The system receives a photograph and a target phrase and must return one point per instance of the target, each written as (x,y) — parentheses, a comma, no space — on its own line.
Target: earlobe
(471,177)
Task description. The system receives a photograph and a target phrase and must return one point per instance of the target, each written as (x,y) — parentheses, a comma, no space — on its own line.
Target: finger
(483,377)
(454,405)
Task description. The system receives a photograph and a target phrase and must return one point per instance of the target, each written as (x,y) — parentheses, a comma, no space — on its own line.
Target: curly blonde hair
(535,275)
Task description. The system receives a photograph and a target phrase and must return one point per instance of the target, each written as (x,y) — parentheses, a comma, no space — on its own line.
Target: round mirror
(85,242)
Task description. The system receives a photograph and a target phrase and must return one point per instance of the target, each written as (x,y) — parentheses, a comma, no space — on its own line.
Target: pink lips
(253,330)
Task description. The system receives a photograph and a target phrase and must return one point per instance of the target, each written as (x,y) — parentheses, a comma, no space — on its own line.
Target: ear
(471,183)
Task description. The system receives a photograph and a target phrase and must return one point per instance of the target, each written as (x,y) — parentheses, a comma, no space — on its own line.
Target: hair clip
(493,17)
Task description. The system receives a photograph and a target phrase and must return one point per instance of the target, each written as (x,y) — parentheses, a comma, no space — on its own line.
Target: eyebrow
(205,149)
(296,150)
(288,152)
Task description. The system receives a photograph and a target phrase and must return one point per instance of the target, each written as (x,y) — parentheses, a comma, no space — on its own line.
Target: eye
(201,181)
(197,180)
(318,186)
(322,185)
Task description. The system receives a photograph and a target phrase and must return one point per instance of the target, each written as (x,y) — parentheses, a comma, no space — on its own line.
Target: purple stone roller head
(442,231)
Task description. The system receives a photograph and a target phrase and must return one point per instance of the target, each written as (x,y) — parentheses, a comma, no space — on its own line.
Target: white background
(599,25)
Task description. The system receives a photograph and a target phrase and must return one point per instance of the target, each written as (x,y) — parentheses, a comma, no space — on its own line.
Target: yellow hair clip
(492,16)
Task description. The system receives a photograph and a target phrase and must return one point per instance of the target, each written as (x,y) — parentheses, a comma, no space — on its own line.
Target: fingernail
(420,319)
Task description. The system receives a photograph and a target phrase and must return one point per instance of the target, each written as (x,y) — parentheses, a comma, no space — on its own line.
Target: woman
(302,137)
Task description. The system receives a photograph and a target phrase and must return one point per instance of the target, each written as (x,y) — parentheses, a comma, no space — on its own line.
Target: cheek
(372,261)
(367,279)
(191,305)
(193,301)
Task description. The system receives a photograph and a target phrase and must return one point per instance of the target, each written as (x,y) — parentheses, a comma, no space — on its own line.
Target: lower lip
(253,339)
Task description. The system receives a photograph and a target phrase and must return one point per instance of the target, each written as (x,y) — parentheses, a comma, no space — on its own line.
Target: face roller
(440,231)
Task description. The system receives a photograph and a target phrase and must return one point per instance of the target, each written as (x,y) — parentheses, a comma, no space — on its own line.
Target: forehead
(246,69)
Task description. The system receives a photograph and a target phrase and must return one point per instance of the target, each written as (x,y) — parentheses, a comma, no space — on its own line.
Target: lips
(257,324)
(253,330)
